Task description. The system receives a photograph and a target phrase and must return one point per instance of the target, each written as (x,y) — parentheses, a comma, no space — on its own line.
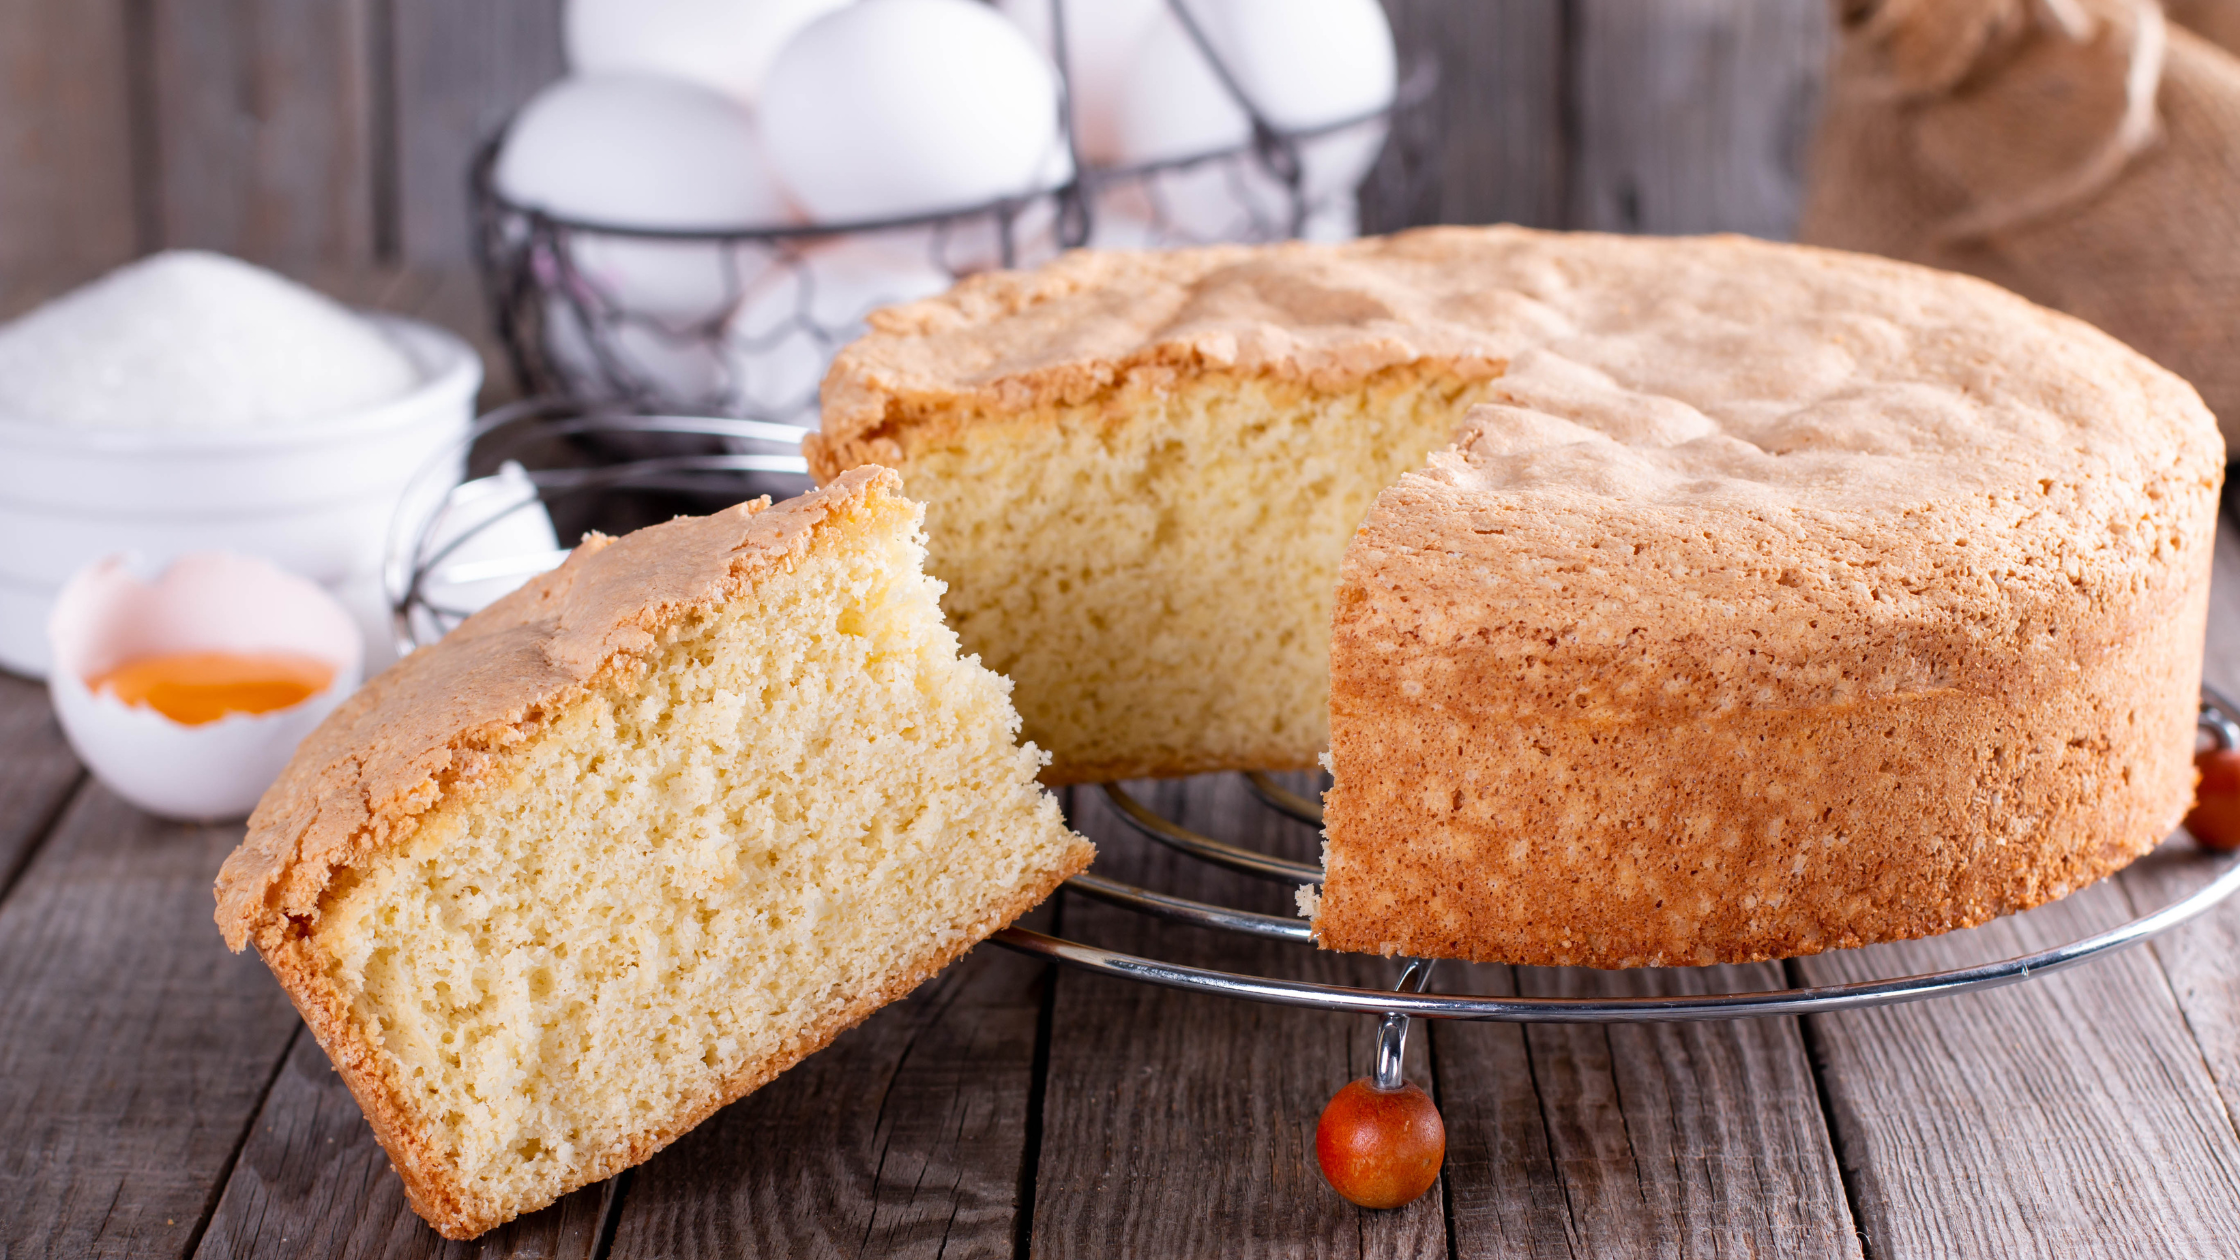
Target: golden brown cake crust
(1082,326)
(429,726)
(1786,602)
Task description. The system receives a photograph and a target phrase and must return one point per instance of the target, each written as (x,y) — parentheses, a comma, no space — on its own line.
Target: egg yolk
(197,687)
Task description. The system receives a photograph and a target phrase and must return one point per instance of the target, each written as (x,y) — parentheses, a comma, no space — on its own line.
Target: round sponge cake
(1661,601)
(1780,601)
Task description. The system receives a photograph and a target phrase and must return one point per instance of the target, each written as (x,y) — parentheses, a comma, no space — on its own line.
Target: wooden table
(159,1097)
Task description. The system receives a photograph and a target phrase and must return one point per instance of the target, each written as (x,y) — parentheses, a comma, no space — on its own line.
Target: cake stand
(421,545)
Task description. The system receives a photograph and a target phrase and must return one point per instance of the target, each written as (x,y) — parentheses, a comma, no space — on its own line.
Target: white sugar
(193,340)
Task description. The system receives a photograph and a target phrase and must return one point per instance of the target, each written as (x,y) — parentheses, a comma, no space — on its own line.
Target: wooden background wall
(330,138)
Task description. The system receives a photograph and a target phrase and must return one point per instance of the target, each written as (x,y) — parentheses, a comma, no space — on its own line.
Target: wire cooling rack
(432,533)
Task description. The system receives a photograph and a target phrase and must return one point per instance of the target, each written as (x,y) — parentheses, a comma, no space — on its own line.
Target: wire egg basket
(441,543)
(743,322)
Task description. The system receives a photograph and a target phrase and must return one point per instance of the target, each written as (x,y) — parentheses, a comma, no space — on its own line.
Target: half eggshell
(212,601)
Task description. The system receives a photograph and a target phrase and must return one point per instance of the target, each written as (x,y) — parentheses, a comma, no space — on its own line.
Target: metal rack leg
(1392,1031)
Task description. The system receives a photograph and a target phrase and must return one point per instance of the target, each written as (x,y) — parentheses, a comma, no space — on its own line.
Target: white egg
(636,151)
(1303,64)
(635,359)
(493,534)
(1337,218)
(785,335)
(1172,105)
(1229,199)
(643,152)
(107,616)
(890,108)
(684,284)
(1118,225)
(1101,40)
(727,45)
(678,280)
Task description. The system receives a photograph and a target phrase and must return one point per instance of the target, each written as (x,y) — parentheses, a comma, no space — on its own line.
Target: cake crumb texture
(703,829)
(1140,470)
(1154,571)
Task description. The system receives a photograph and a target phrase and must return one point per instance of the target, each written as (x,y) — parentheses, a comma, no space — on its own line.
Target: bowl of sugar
(192,402)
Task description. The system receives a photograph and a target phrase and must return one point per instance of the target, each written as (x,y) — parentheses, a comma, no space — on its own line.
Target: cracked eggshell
(106,616)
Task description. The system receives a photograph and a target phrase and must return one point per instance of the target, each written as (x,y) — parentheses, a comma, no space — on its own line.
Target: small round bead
(2214,821)
(1380,1148)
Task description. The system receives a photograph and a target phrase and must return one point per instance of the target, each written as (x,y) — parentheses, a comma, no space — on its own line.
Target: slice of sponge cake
(637,838)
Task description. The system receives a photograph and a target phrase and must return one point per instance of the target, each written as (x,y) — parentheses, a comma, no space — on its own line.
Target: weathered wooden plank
(23,289)
(2068,1116)
(1495,133)
(2198,961)
(380,287)
(906,1137)
(66,150)
(1693,115)
(1183,1125)
(461,69)
(263,128)
(136,1048)
(2200,958)
(311,1181)
(37,772)
(1635,1140)
(1505,1196)
(453,298)
(1688,1139)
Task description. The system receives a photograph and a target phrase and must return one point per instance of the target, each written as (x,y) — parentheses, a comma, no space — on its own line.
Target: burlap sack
(2084,153)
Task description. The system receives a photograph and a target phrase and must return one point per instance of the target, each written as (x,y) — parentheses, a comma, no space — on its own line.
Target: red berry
(1380,1148)
(2214,820)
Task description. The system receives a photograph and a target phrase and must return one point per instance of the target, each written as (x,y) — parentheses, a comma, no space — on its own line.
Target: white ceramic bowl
(315,498)
(107,616)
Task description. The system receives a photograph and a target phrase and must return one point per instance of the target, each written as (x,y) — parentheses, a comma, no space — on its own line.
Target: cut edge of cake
(1153,570)
(1001,360)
